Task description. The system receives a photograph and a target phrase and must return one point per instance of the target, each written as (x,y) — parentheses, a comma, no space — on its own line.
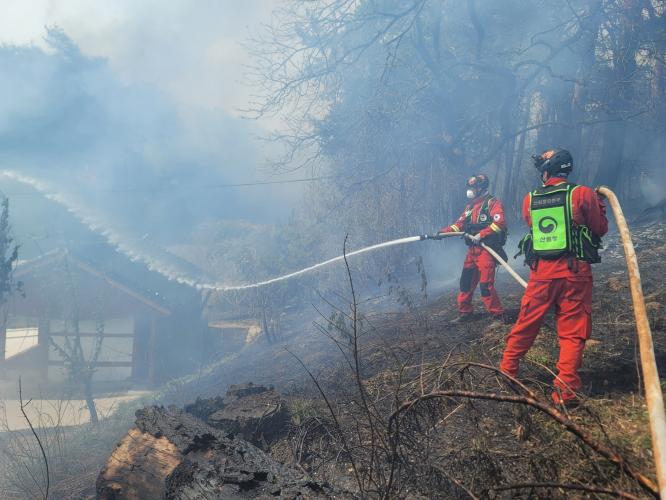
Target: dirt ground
(51,412)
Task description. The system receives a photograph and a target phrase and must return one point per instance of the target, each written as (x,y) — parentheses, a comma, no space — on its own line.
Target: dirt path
(53,412)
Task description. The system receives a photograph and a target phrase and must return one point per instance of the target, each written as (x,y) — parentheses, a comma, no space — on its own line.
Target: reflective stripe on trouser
(478,269)
(573,313)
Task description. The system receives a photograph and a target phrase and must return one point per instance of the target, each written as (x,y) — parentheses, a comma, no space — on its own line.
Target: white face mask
(471,194)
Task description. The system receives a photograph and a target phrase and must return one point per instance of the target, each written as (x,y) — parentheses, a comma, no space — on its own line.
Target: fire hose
(492,252)
(653,393)
(651,382)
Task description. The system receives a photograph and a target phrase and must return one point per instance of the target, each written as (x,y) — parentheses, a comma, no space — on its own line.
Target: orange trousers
(479,268)
(573,312)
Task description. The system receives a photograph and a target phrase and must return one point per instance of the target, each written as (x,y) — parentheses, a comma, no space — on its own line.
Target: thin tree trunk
(511,197)
(264,320)
(90,401)
(621,97)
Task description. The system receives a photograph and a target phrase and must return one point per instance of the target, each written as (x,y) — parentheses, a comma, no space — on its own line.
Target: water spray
(400,241)
(136,249)
(158,260)
(226,288)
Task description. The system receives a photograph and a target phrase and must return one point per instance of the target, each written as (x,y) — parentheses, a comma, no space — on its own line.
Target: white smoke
(653,186)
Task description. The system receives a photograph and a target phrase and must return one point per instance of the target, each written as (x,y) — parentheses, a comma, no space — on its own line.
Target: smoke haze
(128,110)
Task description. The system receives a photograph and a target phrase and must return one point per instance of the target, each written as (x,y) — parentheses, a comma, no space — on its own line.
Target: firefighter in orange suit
(566,223)
(482,221)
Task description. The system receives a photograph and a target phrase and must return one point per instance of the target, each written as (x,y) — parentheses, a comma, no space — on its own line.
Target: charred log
(252,412)
(172,454)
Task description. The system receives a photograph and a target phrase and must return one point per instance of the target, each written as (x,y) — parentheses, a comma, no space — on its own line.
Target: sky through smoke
(131,110)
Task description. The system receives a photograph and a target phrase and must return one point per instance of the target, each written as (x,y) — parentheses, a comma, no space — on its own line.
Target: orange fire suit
(566,284)
(484,216)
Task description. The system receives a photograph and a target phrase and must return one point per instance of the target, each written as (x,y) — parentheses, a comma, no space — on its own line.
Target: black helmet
(557,162)
(479,182)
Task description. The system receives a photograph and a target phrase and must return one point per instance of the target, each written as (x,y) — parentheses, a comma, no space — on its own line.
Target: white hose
(499,259)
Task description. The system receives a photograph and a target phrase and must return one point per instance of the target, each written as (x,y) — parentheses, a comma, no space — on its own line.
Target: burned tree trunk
(252,412)
(171,454)
(90,400)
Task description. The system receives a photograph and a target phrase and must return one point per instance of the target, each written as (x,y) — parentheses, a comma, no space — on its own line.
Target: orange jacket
(588,210)
(473,215)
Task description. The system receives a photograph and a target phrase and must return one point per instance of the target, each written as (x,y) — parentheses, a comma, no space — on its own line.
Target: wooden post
(152,346)
(135,349)
(44,341)
(4,313)
(3,341)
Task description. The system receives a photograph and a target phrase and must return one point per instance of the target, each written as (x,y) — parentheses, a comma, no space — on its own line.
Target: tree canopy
(400,100)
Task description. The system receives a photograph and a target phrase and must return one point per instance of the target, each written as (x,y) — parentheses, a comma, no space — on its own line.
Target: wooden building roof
(56,282)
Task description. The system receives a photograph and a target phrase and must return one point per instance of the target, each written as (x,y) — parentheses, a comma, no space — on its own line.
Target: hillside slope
(459,445)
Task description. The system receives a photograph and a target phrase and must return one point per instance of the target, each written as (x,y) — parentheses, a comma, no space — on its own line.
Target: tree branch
(39,441)
(612,456)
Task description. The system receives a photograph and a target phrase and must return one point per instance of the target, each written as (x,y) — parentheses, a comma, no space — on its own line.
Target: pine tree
(8,256)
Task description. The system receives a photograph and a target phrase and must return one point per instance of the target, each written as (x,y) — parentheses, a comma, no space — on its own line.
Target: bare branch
(39,441)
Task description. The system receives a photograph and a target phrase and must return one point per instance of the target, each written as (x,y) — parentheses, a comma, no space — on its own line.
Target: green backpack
(554,233)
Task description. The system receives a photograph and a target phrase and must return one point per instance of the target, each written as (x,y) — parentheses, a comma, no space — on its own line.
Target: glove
(473,239)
